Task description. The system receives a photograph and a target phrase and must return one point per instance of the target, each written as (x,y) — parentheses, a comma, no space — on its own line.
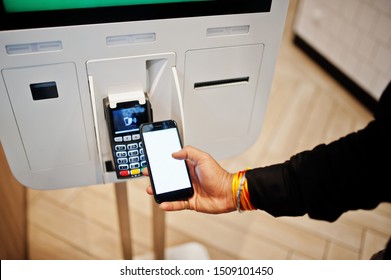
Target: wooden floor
(306,107)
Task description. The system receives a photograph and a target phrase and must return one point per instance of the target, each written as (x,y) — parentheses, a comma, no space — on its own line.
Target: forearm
(328,180)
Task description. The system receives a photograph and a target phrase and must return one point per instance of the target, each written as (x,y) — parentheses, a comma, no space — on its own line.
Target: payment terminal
(124,118)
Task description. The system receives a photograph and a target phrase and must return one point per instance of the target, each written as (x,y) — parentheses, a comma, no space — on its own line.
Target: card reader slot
(223,82)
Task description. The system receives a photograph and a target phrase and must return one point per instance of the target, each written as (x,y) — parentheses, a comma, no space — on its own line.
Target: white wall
(354,35)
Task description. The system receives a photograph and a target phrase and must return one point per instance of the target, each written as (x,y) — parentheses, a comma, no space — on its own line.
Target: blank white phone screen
(168,174)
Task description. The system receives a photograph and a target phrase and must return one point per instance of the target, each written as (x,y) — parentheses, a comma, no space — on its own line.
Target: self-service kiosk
(208,64)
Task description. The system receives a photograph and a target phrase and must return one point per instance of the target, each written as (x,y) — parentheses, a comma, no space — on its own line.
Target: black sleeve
(350,173)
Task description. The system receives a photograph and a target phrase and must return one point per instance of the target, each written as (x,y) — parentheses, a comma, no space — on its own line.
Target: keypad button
(132,146)
(136,137)
(135,171)
(128,138)
(143,164)
(133,153)
(124,173)
(122,160)
(134,165)
(118,139)
(123,167)
(120,154)
(120,147)
(134,159)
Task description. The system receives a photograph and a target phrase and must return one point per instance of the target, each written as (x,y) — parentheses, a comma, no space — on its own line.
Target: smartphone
(124,132)
(169,177)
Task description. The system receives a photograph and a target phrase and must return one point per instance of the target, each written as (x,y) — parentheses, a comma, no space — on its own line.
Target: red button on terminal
(124,173)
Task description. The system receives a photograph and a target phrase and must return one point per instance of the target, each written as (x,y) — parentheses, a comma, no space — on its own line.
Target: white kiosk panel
(208,64)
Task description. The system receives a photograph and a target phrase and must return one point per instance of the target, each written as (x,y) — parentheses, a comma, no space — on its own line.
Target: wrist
(240,194)
(231,206)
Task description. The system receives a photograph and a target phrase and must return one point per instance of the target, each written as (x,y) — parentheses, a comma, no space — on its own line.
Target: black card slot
(223,82)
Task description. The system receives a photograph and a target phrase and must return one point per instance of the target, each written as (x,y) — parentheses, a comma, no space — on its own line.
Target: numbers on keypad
(129,154)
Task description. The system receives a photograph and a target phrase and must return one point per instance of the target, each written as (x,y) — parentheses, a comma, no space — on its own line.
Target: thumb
(190,153)
(181,154)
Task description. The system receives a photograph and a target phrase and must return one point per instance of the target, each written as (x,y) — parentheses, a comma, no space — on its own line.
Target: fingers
(171,206)
(175,205)
(149,190)
(190,153)
(145,171)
